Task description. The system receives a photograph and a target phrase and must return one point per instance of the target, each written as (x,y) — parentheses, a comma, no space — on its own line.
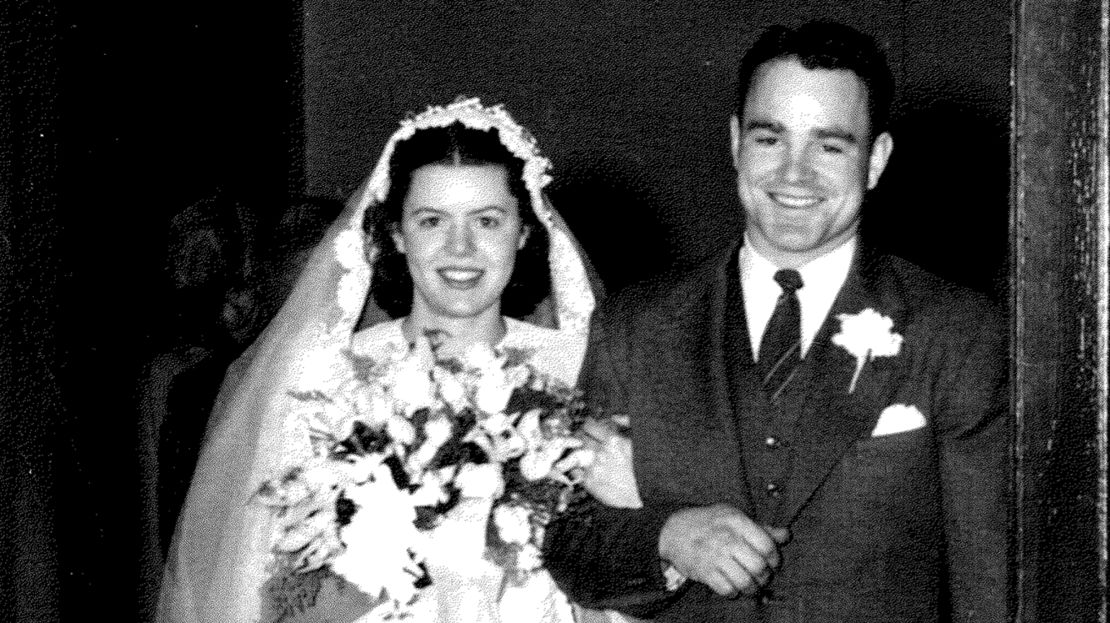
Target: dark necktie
(780,350)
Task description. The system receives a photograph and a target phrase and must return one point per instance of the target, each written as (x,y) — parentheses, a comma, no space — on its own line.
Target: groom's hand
(722,548)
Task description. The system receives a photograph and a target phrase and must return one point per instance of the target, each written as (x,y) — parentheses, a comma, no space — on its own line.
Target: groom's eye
(489,222)
(767,140)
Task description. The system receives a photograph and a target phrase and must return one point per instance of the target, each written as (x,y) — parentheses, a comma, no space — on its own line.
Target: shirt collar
(822,279)
(827,272)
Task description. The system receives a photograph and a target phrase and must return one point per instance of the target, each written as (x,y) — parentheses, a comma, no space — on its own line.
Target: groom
(819,431)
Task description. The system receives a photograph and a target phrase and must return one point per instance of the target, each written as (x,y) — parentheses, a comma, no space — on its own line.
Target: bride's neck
(456,333)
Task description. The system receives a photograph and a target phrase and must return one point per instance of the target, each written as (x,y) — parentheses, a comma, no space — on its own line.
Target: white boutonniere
(865,335)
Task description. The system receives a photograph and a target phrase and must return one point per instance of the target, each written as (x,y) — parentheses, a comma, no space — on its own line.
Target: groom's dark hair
(456,144)
(823,45)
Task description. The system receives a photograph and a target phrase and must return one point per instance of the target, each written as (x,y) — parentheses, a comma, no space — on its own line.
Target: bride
(451,233)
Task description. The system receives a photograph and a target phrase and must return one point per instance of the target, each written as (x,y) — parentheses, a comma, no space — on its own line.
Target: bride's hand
(610,478)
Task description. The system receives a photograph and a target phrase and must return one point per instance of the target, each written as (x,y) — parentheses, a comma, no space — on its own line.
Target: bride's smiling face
(460,230)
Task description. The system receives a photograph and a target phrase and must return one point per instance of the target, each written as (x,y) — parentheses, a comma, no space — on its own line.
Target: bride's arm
(610,478)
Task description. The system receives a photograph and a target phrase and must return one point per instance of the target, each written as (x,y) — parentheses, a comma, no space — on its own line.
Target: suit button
(773,490)
(766,597)
(772,442)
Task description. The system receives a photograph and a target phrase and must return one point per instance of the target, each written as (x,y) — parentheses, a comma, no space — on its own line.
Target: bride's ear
(398,239)
(524,231)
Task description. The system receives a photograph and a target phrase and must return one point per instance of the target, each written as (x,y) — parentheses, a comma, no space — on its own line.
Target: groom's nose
(796,165)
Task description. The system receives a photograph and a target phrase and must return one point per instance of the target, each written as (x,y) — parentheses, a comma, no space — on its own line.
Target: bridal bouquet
(398,448)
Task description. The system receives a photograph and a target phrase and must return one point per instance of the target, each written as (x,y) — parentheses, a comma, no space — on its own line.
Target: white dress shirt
(822,279)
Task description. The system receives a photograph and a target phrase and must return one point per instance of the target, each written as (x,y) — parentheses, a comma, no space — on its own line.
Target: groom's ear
(734,142)
(881,148)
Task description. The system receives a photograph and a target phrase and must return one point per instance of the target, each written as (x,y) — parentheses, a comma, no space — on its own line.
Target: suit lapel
(690,451)
(831,419)
(734,370)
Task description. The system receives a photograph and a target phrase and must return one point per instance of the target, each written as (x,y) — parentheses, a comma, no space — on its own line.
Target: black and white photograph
(506,311)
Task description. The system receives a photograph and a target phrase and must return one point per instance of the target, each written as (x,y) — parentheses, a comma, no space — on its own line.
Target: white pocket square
(898,419)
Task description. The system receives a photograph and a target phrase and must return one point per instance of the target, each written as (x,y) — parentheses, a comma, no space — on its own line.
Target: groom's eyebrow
(760,124)
(837,133)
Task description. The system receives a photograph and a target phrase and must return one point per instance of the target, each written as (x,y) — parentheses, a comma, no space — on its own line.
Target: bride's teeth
(796,202)
(461,275)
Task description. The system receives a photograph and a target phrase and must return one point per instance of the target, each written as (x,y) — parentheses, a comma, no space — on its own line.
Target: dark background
(119,115)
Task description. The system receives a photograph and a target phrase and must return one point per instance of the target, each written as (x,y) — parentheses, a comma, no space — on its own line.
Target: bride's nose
(460,241)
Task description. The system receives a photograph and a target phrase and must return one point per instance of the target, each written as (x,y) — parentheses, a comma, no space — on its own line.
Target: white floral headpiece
(472,114)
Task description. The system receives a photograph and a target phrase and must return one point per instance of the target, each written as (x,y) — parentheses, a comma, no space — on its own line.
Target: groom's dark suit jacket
(906,527)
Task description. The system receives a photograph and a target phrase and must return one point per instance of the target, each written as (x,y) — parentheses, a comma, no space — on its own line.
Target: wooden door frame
(1060,227)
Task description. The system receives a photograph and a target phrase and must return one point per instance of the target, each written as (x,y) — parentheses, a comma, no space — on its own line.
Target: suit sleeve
(974,446)
(604,557)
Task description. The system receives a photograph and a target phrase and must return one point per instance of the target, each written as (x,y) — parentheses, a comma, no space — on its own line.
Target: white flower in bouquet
(371,404)
(543,451)
(492,393)
(482,359)
(383,545)
(303,501)
(410,380)
(493,385)
(513,523)
(437,430)
(457,544)
(497,437)
(400,429)
(480,481)
(451,389)
(529,558)
(432,487)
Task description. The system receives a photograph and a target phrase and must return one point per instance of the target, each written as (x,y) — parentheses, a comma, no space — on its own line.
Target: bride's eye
(427,222)
(489,222)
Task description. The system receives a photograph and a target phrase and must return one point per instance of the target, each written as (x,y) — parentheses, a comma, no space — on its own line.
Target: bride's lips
(795,201)
(460,278)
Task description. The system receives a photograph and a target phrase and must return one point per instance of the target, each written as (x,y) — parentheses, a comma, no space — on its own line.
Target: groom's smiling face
(804,158)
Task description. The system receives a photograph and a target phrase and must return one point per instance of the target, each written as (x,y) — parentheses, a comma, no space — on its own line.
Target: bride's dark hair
(455,144)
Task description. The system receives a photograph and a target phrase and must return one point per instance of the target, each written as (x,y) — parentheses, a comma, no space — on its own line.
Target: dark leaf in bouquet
(452,365)
(454,451)
(313,597)
(397,470)
(287,594)
(525,399)
(364,439)
(267,491)
(428,516)
(419,419)
(425,578)
(310,396)
(364,368)
(499,552)
(517,356)
(542,496)
(344,510)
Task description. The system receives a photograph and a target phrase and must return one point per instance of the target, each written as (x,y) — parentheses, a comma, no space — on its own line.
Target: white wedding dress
(483,596)
(220,556)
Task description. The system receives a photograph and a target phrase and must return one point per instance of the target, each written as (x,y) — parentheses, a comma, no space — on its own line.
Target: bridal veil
(220,554)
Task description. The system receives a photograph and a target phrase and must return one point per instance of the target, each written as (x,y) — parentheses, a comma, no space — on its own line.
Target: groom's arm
(606,557)
(974,437)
